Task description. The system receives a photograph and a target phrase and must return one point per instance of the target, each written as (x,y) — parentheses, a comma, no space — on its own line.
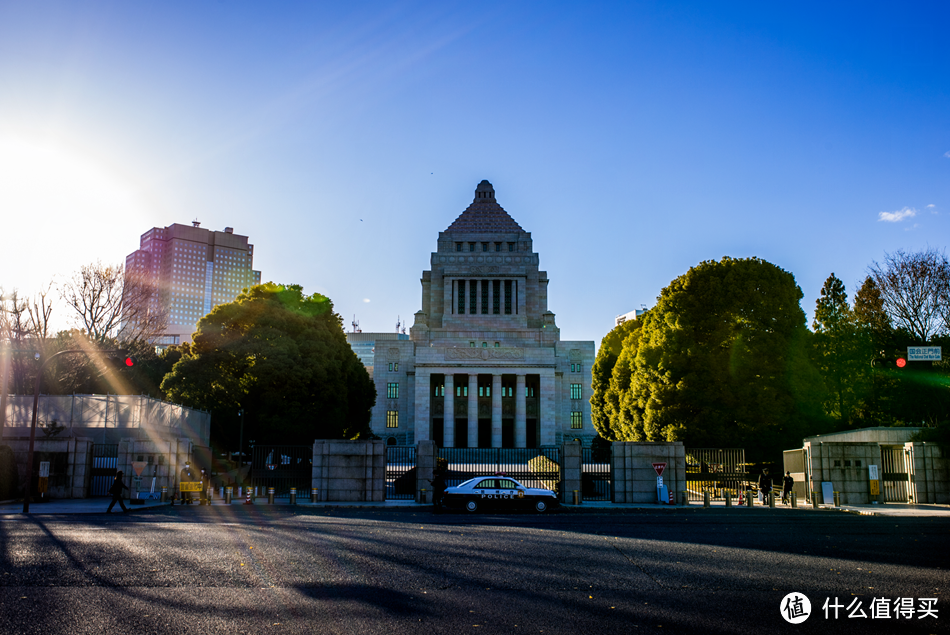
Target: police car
(498,492)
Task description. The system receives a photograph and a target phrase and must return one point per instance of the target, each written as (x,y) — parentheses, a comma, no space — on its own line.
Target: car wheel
(540,506)
(471,505)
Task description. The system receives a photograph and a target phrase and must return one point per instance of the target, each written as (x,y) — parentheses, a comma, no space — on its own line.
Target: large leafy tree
(721,360)
(602,372)
(282,358)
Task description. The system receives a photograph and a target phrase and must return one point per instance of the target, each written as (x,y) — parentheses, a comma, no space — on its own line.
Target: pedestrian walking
(787,484)
(438,486)
(765,485)
(116,491)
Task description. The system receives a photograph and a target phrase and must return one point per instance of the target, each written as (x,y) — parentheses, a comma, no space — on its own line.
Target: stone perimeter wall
(349,470)
(633,476)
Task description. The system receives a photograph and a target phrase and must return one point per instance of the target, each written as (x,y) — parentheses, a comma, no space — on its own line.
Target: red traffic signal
(901,362)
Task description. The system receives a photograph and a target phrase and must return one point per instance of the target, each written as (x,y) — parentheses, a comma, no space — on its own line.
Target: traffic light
(121,359)
(885,359)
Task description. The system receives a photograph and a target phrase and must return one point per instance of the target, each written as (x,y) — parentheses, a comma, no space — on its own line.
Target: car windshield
(468,482)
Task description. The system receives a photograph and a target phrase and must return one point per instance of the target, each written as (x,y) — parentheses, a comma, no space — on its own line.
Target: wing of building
(484,365)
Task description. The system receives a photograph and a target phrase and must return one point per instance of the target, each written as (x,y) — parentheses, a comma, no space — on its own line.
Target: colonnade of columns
(424,397)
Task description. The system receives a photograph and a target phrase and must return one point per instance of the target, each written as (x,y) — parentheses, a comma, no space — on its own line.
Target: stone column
(448,420)
(421,415)
(520,413)
(473,410)
(496,410)
(547,418)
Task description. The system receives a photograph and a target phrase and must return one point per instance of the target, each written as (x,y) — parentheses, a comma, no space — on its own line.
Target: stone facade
(349,470)
(633,477)
(484,365)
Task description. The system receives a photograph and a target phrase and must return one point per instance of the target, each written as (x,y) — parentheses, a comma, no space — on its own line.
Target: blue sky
(633,139)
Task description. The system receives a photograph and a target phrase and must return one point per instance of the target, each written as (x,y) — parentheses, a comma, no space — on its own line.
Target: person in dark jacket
(787,484)
(438,487)
(116,491)
(765,486)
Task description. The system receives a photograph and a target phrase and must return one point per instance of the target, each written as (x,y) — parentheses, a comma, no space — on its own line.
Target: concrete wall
(882,435)
(75,482)
(929,473)
(426,455)
(634,479)
(845,465)
(164,461)
(349,470)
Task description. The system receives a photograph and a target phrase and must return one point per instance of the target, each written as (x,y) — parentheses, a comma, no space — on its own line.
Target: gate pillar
(425,465)
(570,471)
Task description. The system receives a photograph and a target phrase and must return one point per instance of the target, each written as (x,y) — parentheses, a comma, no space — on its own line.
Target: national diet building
(484,365)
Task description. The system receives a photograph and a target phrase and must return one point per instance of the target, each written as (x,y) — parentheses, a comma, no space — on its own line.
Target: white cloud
(365,299)
(947,154)
(896,217)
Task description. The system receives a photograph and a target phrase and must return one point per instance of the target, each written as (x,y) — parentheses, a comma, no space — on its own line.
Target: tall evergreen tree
(838,352)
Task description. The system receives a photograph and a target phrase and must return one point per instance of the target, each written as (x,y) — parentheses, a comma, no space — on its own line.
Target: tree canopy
(721,360)
(282,358)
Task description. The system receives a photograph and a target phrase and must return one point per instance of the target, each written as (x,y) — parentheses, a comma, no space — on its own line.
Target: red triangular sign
(659,467)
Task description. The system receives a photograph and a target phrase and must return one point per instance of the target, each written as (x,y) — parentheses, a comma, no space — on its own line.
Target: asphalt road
(284,570)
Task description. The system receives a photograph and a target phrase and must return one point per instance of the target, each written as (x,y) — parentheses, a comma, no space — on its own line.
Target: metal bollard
(293,495)
(240,494)
(684,498)
(728,495)
(794,500)
(577,497)
(772,500)
(748,498)
(837,499)
(270,495)
(705,499)
(164,493)
(210,494)
(814,500)
(313,495)
(228,491)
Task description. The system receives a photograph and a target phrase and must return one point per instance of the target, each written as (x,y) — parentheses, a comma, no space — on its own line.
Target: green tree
(840,353)
(282,358)
(602,371)
(721,360)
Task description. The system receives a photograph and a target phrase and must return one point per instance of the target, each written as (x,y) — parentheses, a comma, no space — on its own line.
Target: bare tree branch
(915,288)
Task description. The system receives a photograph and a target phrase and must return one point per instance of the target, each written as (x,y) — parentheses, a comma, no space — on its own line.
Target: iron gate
(400,472)
(595,475)
(894,475)
(532,467)
(104,465)
(282,467)
(715,470)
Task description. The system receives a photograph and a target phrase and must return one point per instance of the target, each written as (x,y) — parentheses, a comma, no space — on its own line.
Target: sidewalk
(13,509)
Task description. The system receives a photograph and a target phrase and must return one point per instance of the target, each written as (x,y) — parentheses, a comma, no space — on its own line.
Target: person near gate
(787,484)
(765,485)
(438,486)
(116,491)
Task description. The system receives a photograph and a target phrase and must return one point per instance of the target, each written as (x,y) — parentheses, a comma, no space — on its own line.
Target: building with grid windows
(484,365)
(192,270)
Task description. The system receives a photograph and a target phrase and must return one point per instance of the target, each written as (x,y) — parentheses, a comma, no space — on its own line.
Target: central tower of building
(484,365)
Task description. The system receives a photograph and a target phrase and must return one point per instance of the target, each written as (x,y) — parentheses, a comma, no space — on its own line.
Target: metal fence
(400,472)
(595,475)
(894,474)
(282,467)
(104,465)
(715,470)
(533,467)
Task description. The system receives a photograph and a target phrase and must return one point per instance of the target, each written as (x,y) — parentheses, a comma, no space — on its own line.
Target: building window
(473,297)
(577,420)
(496,300)
(392,390)
(394,367)
(485,297)
(507,297)
(458,246)
(497,246)
(528,391)
(461,391)
(575,391)
(484,246)
(471,344)
(440,391)
(484,344)
(511,246)
(390,367)
(497,344)
(392,418)
(461,289)
(471,246)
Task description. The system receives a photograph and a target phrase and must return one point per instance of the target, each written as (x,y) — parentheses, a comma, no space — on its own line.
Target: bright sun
(60,209)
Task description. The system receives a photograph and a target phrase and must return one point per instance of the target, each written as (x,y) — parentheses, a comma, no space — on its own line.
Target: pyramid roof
(484,215)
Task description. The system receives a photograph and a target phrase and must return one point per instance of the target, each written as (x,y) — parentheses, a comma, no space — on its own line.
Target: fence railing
(532,467)
(282,467)
(400,472)
(716,471)
(595,476)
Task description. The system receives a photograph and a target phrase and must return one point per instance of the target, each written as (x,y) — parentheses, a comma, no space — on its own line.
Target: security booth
(870,465)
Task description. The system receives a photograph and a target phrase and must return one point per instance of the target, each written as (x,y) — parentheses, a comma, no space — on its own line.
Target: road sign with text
(659,467)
